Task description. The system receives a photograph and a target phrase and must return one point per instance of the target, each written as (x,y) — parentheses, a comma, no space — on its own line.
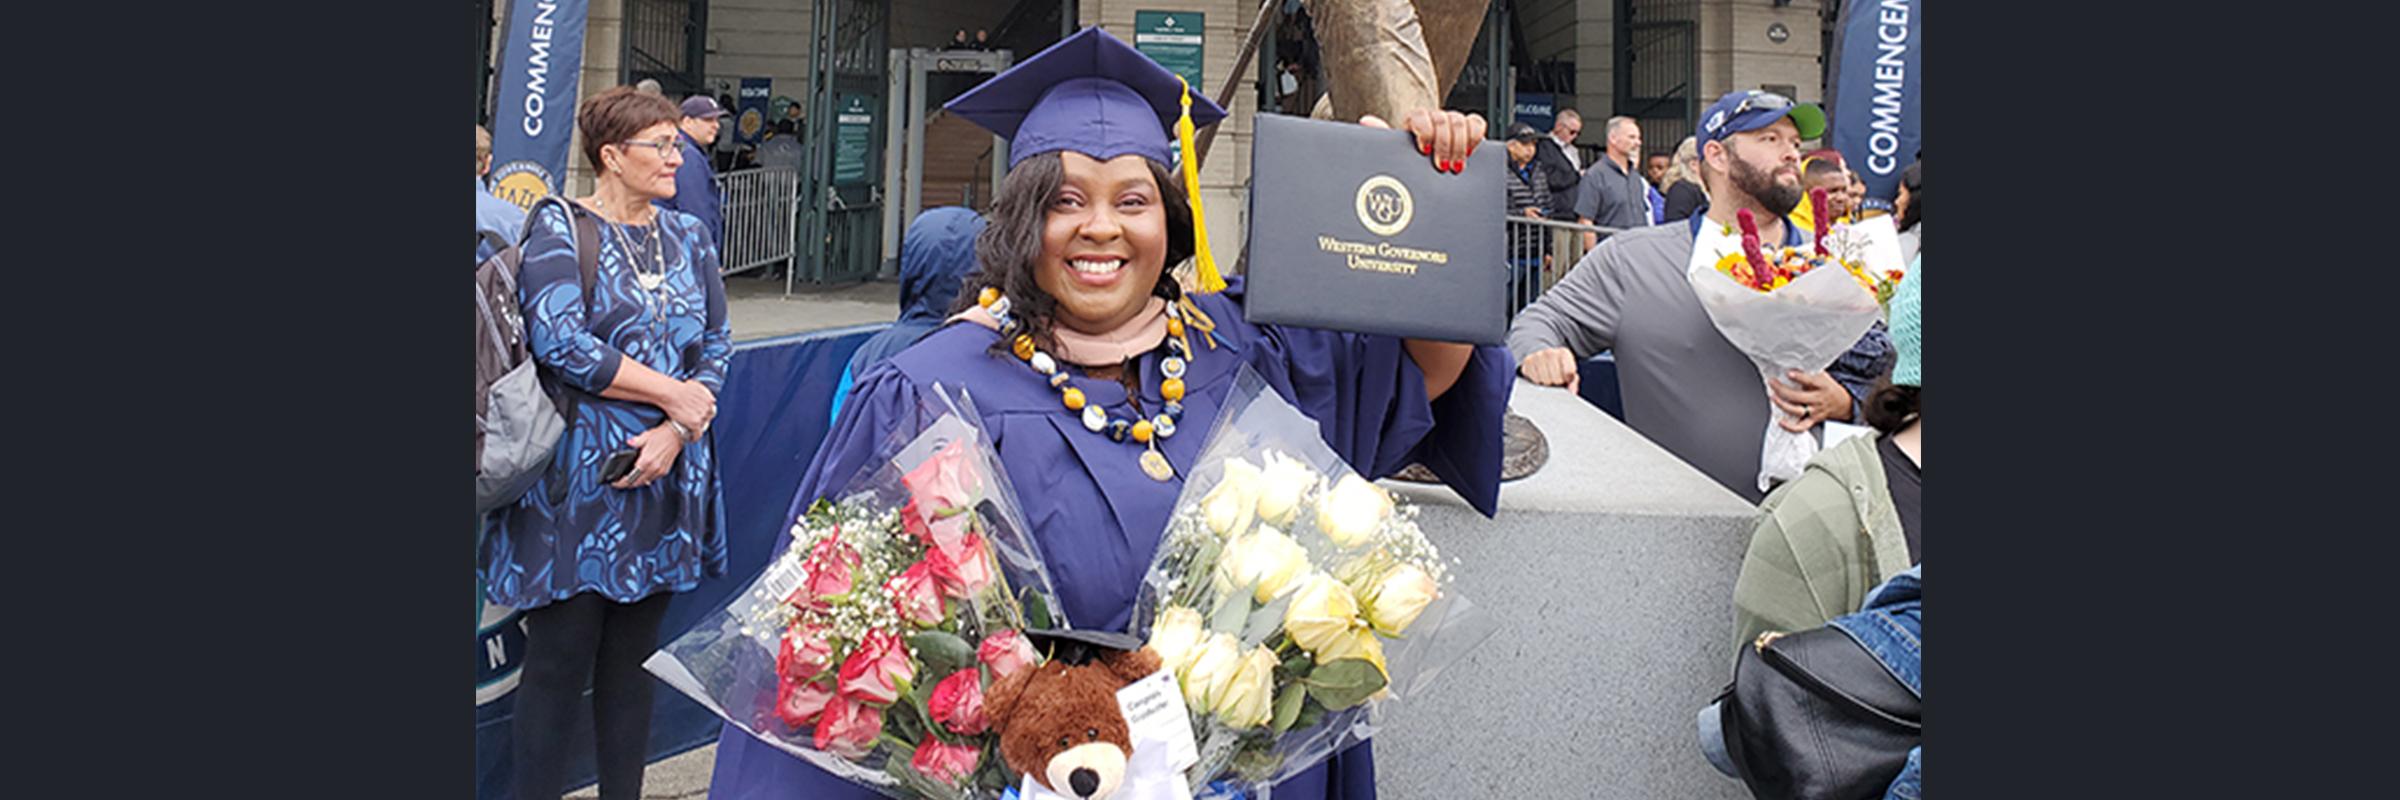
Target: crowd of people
(1081,239)
(1624,189)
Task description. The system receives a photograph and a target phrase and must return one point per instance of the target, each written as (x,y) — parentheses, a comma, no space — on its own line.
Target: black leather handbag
(1814,715)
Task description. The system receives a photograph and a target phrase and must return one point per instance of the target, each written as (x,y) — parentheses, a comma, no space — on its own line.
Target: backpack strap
(490,239)
(587,264)
(587,244)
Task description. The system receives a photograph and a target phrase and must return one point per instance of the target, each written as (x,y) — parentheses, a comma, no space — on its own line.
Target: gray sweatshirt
(1685,387)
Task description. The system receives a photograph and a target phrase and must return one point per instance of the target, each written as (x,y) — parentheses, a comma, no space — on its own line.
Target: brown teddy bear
(1060,722)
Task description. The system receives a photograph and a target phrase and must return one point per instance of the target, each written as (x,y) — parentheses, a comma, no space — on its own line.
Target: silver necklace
(649,281)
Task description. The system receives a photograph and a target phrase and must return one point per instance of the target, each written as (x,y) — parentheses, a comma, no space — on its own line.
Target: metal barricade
(760,206)
(1540,252)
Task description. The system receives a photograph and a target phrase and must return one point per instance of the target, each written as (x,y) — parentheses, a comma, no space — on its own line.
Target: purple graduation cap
(1091,93)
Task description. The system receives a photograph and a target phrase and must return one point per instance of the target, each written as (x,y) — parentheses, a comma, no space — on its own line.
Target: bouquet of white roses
(1292,597)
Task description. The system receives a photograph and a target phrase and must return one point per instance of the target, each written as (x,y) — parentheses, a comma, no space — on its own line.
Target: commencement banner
(1877,88)
(540,64)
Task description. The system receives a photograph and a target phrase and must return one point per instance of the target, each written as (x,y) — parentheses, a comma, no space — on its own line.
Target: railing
(1540,252)
(760,206)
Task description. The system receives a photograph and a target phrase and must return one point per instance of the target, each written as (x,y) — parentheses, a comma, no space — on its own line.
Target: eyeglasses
(664,144)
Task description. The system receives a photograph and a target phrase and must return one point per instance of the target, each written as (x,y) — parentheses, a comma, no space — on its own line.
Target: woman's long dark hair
(1890,408)
(1012,242)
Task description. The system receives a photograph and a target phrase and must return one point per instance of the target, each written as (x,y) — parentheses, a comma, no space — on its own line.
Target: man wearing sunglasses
(1684,386)
(695,183)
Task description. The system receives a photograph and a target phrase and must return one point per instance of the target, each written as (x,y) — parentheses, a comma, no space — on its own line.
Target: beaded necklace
(1096,419)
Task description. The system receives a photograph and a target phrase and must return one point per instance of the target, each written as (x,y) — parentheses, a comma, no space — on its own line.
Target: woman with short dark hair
(630,511)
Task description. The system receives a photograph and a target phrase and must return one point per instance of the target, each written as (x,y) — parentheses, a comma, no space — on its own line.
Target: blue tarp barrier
(770,420)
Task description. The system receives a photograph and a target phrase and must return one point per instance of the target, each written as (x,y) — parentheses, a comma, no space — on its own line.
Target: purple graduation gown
(1098,518)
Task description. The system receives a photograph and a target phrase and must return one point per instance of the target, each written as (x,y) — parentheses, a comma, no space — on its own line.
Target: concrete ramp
(1613,571)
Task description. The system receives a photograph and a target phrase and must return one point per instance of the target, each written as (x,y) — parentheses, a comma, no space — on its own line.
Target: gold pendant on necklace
(1156,466)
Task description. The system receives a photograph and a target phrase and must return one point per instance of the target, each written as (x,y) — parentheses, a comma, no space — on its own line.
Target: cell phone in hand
(618,465)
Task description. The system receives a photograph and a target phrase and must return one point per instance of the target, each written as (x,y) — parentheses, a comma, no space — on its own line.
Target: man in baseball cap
(695,182)
(1751,140)
(1684,386)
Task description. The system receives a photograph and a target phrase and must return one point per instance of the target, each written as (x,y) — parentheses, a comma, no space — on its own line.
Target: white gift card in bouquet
(1787,309)
(1290,597)
(866,646)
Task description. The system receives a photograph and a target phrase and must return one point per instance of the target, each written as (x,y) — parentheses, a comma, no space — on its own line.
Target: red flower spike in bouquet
(866,647)
(1823,218)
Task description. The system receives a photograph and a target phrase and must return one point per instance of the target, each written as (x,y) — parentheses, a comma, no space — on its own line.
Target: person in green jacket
(1851,520)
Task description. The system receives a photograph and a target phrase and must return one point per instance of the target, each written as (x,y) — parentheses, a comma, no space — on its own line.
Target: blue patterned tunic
(571,533)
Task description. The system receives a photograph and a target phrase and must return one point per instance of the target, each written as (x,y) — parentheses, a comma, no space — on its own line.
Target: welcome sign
(540,64)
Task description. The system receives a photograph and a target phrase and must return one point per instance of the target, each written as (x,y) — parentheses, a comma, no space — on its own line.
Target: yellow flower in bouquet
(1359,644)
(1234,502)
(1211,670)
(1395,600)
(1264,560)
(1248,698)
(1351,513)
(1174,636)
(1322,612)
(1286,480)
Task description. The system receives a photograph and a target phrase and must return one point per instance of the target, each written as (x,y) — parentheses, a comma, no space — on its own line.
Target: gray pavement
(680,777)
(760,310)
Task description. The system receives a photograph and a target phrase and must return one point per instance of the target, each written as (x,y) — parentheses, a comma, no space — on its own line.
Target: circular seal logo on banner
(750,123)
(499,647)
(1384,205)
(521,182)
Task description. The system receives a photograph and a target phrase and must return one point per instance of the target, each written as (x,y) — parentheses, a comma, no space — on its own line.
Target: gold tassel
(1198,320)
(1210,280)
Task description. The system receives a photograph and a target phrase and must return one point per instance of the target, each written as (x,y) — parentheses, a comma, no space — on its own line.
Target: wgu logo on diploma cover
(1384,205)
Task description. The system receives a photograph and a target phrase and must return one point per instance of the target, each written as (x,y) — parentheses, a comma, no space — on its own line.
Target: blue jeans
(1891,627)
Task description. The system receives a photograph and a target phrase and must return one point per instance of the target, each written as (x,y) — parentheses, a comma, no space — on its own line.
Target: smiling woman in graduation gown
(1381,402)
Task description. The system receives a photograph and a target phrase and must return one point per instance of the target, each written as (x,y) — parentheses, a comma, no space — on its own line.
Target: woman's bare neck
(1911,442)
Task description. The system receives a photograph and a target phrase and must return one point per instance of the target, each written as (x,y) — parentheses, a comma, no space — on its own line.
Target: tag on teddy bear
(1155,715)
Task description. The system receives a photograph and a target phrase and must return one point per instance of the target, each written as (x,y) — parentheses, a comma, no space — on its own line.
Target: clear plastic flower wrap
(1786,314)
(1292,598)
(866,646)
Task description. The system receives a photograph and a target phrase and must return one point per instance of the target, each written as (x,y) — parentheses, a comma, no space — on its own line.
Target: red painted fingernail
(1428,147)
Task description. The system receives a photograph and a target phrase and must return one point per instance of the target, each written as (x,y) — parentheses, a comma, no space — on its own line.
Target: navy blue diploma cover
(1352,229)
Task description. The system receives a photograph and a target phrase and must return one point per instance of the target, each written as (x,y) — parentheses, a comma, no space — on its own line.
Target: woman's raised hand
(1446,136)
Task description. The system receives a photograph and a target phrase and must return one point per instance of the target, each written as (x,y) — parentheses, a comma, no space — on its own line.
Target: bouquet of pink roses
(866,646)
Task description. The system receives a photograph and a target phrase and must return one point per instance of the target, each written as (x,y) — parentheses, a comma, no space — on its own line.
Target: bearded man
(1684,386)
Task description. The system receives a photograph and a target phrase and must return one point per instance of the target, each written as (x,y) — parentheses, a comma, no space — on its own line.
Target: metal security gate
(666,41)
(842,192)
(760,206)
(1658,69)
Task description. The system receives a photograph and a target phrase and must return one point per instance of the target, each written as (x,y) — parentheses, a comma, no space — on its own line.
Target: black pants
(566,641)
